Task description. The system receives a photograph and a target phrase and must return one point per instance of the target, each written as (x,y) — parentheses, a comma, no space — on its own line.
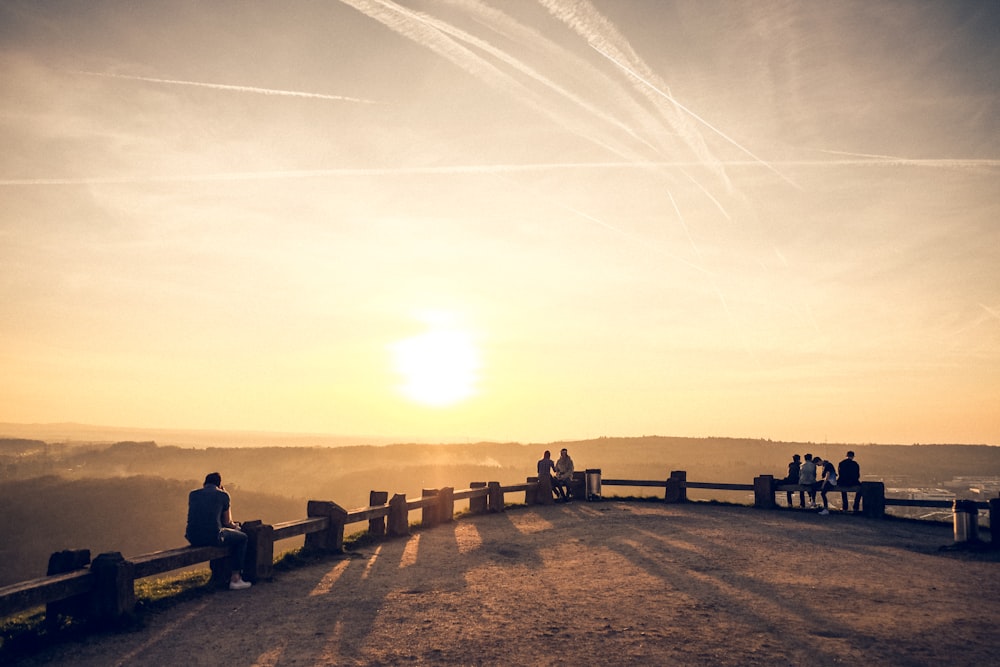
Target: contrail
(449,42)
(340,172)
(584,19)
(227,87)
(680,165)
(680,217)
(569,64)
(520,66)
(698,118)
(866,155)
(893,160)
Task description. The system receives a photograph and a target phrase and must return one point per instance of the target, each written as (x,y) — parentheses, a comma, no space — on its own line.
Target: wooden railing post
(676,491)
(446,505)
(376,526)
(429,513)
(478,504)
(260,551)
(495,497)
(578,485)
(331,539)
(222,570)
(995,523)
(873,499)
(59,563)
(763,492)
(113,598)
(399,522)
(543,495)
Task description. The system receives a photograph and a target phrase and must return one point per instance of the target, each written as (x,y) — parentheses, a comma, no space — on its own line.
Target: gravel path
(606,583)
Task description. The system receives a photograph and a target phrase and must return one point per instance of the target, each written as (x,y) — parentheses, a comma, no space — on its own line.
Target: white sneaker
(824,511)
(239,585)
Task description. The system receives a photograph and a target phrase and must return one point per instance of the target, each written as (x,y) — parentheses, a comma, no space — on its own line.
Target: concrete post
(260,551)
(995,523)
(222,570)
(676,491)
(478,504)
(376,526)
(873,499)
(429,513)
(495,497)
(542,493)
(113,597)
(59,563)
(763,492)
(331,539)
(446,505)
(399,521)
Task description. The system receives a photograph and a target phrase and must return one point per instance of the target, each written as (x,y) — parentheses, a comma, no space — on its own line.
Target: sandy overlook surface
(605,583)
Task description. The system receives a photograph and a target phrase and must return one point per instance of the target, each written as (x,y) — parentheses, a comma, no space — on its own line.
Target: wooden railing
(103,591)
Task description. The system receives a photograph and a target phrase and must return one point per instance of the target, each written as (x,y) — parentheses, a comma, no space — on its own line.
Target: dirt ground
(602,583)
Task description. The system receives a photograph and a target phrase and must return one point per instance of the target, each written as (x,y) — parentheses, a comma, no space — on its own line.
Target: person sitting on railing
(546,468)
(849,473)
(564,474)
(807,478)
(210,523)
(793,478)
(828,482)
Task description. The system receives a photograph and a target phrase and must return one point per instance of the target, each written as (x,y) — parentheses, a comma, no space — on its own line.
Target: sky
(530,220)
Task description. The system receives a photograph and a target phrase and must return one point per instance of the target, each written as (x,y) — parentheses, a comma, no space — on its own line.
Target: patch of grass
(298,558)
(28,632)
(164,592)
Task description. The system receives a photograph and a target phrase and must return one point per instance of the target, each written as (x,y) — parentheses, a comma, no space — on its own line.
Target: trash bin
(966,521)
(593,484)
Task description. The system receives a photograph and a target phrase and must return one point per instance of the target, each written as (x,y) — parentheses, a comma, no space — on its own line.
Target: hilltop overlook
(130,496)
(608,583)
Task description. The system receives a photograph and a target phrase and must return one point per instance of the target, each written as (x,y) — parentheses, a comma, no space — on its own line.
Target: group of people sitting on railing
(559,472)
(847,474)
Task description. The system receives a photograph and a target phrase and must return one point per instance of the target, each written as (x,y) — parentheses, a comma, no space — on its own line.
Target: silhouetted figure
(850,475)
(210,523)
(807,478)
(828,482)
(546,469)
(793,478)
(564,473)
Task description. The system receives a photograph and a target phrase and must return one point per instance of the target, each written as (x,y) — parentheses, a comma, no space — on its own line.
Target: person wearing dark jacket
(210,523)
(793,478)
(546,470)
(849,474)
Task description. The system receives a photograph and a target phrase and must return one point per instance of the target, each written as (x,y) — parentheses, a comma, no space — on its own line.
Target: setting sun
(439,367)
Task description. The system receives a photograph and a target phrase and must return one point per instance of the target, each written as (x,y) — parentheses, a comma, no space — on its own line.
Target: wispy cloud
(698,118)
(613,117)
(583,18)
(228,87)
(893,160)
(447,170)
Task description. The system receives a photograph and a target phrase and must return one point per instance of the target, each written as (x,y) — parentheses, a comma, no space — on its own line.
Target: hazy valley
(131,496)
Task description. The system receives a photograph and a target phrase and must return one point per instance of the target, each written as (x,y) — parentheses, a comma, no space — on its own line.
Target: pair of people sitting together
(560,472)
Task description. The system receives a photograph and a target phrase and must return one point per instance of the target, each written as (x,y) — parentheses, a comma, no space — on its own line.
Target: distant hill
(131,496)
(73,433)
(347,474)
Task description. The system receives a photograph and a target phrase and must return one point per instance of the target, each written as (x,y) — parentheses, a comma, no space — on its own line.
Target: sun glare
(439,367)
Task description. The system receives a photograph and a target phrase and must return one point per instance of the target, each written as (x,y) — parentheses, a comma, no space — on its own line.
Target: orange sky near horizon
(534,220)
